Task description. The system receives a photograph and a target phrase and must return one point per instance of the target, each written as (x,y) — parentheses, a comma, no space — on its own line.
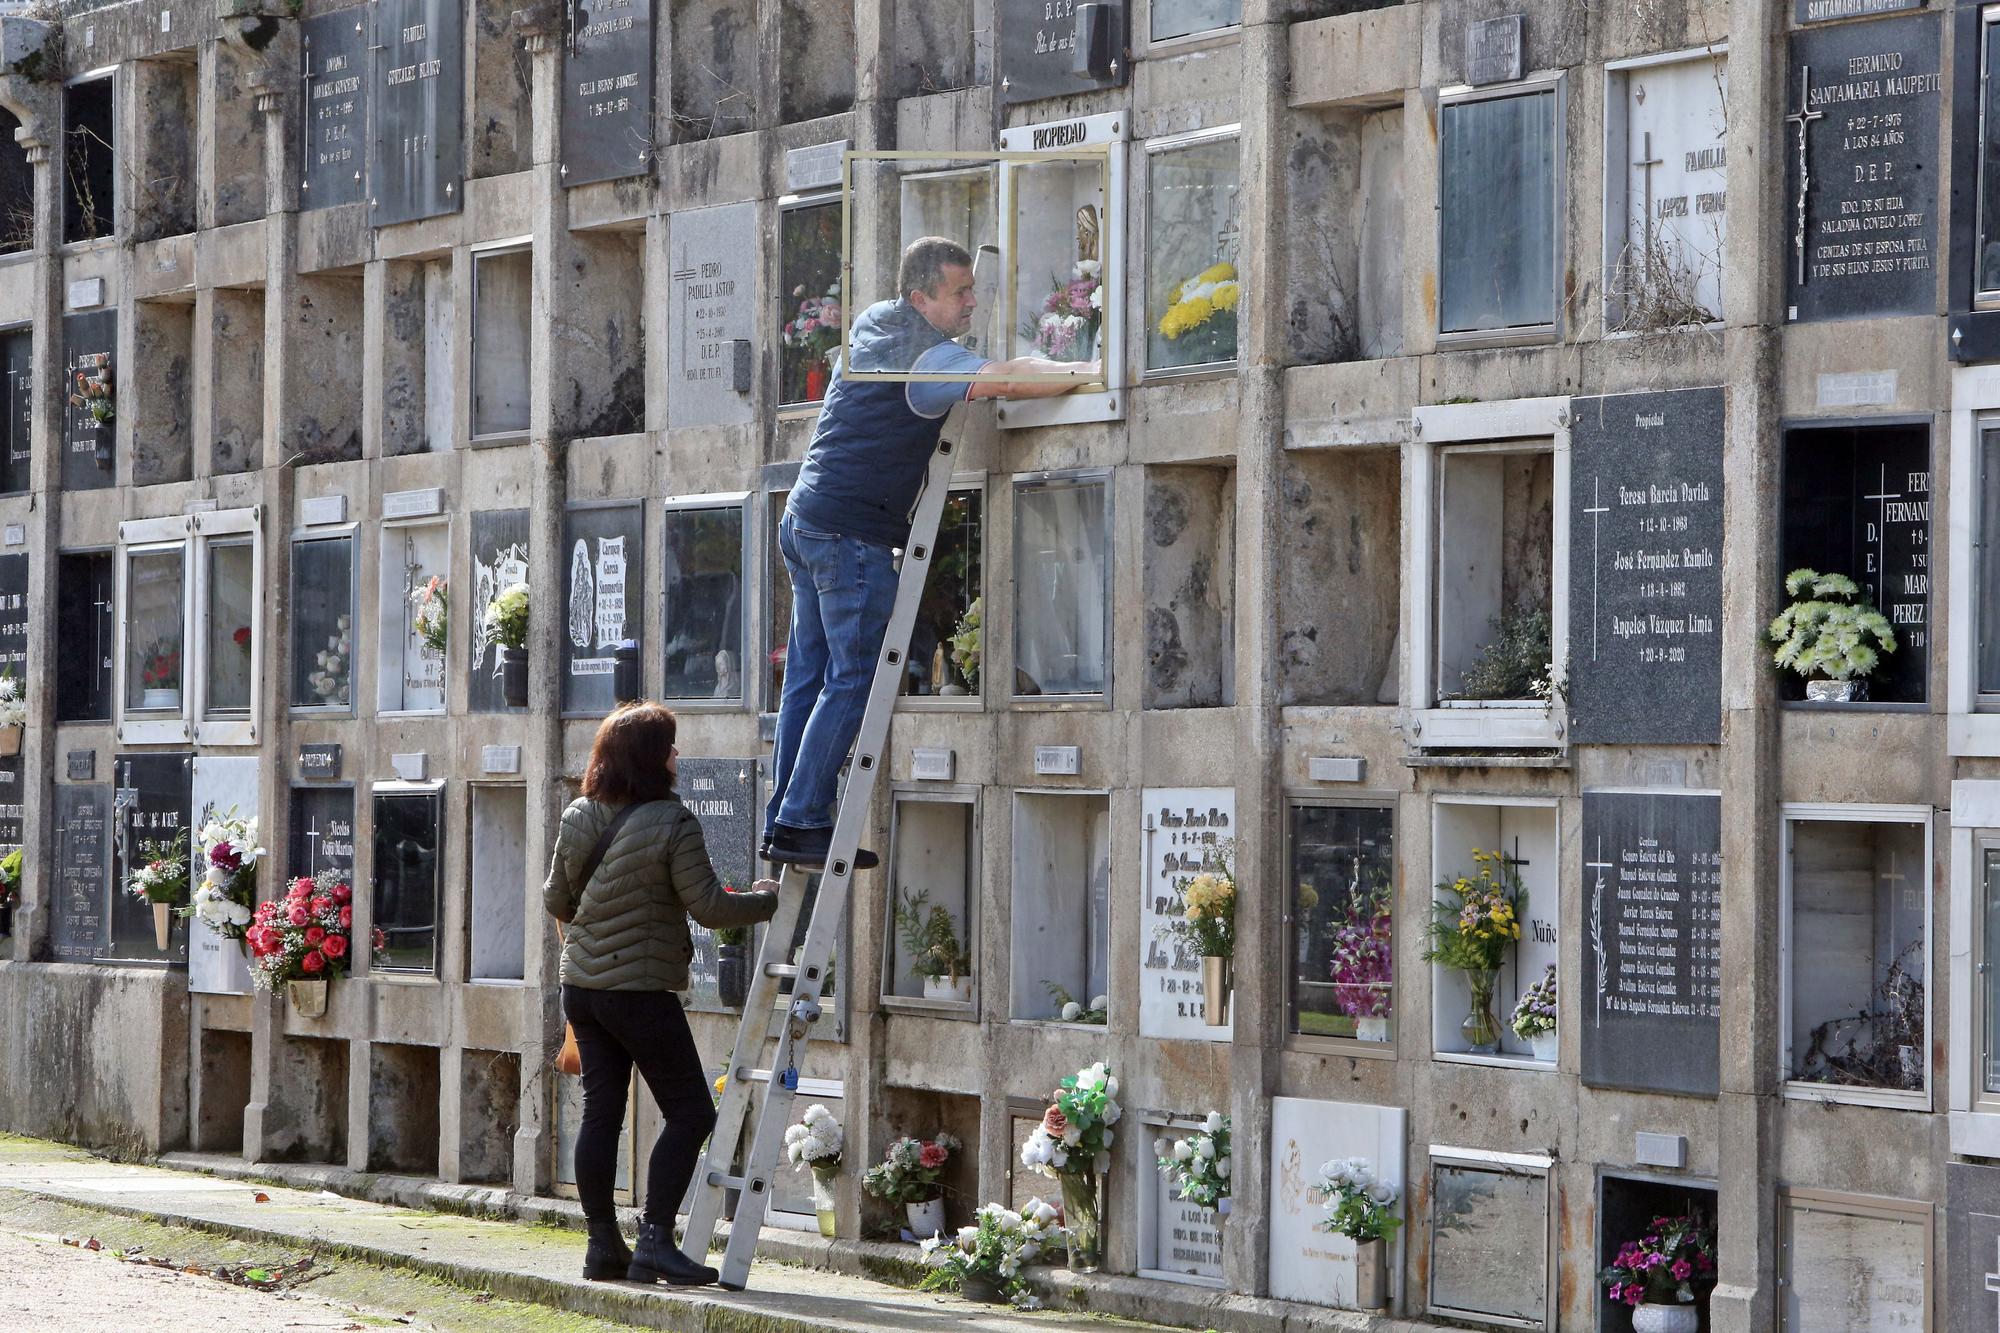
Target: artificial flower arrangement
(307,937)
(1357,1203)
(1207,923)
(10,878)
(13,705)
(1065,328)
(1198,1164)
(1830,632)
(229,885)
(162,877)
(332,664)
(93,394)
(1535,1014)
(984,1261)
(1200,320)
(966,642)
(930,938)
(909,1170)
(816,1141)
(507,617)
(1073,1144)
(1068,1010)
(1364,960)
(1664,1266)
(815,329)
(160,667)
(1474,921)
(431,600)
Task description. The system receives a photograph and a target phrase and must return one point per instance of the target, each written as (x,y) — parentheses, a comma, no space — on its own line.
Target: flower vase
(1651,1318)
(1481,1029)
(817,376)
(1830,691)
(982,1287)
(1080,1224)
(308,997)
(1371,1274)
(1374,1028)
(10,741)
(1543,1044)
(514,676)
(926,1218)
(1215,990)
(160,698)
(163,924)
(956,990)
(823,1198)
(732,975)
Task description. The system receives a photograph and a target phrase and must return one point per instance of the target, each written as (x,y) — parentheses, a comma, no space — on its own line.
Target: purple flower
(1682,1270)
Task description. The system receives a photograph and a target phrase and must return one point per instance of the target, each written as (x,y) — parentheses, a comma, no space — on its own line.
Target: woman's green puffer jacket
(628,928)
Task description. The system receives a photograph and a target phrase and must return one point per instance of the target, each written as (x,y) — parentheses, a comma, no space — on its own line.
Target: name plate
(17,534)
(1826,11)
(1668,1150)
(411,767)
(500,759)
(1337,768)
(413,504)
(1859,388)
(933,763)
(82,765)
(319,761)
(814,168)
(1058,760)
(1493,51)
(323,509)
(85,293)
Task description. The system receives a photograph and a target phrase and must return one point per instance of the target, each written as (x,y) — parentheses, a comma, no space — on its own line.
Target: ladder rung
(780,970)
(755,1184)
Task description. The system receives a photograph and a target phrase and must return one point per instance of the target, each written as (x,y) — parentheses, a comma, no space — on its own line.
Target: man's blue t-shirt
(873,441)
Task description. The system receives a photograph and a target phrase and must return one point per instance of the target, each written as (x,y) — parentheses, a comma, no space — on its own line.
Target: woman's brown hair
(628,760)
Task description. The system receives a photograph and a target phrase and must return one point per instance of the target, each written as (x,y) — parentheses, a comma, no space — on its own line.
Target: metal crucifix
(1803,118)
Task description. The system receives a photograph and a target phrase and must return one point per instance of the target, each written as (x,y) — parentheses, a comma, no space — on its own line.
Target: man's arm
(1084,372)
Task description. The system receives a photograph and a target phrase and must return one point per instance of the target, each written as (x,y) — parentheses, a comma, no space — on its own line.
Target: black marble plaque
(1645,569)
(1972,1247)
(82,871)
(416,162)
(14,616)
(86,593)
(319,763)
(1857,501)
(1826,11)
(1038,49)
(334,68)
(499,558)
(1861,170)
(152,794)
(607,91)
(90,343)
(603,597)
(722,794)
(322,832)
(1651,998)
(17,401)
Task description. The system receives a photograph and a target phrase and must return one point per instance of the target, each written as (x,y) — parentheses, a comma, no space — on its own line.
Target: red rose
(932,1156)
(312,962)
(335,946)
(1054,1121)
(242,636)
(298,915)
(300,888)
(341,893)
(314,936)
(346,918)
(320,905)
(377,940)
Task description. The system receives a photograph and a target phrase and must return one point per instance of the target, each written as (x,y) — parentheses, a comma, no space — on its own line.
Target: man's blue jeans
(843,590)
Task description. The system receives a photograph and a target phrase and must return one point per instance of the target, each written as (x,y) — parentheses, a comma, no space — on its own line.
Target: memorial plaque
(86,592)
(1645,569)
(499,560)
(334,67)
(1972,1245)
(722,794)
(604,548)
(82,765)
(1177,1237)
(607,91)
(1651,999)
(417,147)
(17,383)
(1493,50)
(14,616)
(89,344)
(218,965)
(714,268)
(151,801)
(319,763)
(815,167)
(81,875)
(1183,832)
(322,831)
(1038,49)
(1861,163)
(1307,1264)
(1825,11)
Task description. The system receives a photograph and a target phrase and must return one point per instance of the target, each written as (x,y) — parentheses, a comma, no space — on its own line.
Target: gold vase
(163,924)
(1215,983)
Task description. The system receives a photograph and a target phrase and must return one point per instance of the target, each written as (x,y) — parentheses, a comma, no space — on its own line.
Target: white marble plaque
(320,509)
(1664,204)
(713,268)
(1846,1273)
(218,966)
(1308,1264)
(413,504)
(814,168)
(1182,828)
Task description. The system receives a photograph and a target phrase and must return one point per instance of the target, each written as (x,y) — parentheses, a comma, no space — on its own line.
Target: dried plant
(1882,1046)
(1656,286)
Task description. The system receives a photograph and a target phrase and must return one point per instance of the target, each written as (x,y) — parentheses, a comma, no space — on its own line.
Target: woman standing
(626,953)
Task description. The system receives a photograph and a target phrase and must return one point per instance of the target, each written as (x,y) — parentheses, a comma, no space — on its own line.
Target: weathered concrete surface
(124,1094)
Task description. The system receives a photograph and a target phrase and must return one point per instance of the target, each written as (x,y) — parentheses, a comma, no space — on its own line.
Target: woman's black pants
(615,1030)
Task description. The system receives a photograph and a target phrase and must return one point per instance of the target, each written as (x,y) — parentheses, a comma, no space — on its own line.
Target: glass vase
(1481,1029)
(824,1202)
(1080,1225)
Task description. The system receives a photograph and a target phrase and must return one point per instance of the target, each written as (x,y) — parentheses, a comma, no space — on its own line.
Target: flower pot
(982,1287)
(1830,691)
(514,676)
(1543,1044)
(1480,1028)
(10,741)
(152,698)
(926,1218)
(817,376)
(1651,1318)
(956,989)
(732,975)
(823,1198)
(308,997)
(1080,1225)
(163,924)
(1372,1029)
(1215,990)
(1371,1274)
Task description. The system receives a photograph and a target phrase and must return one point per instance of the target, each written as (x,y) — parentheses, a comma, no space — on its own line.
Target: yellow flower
(1197,311)
(721,1082)
(1224,272)
(1226,295)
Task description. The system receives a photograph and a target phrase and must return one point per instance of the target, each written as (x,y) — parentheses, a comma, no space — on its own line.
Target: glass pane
(1989,975)
(1489,1243)
(808,311)
(1989,170)
(153,630)
(1342,941)
(415,603)
(1060,225)
(779,630)
(323,623)
(406,866)
(1498,230)
(704,603)
(956,205)
(232,615)
(945,647)
(1989,562)
(502,308)
(931,955)
(86,589)
(1178,18)
(1193,230)
(1062,577)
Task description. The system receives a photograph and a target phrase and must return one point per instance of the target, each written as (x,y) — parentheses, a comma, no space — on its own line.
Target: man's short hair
(924,264)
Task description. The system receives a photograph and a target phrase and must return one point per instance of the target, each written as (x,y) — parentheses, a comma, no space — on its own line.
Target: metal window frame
(1300,798)
(1145,45)
(963,483)
(1496,1163)
(475,256)
(1020,483)
(434,790)
(1148,151)
(229,527)
(142,726)
(1534,85)
(384,532)
(793,203)
(1984,298)
(351,534)
(740,501)
(960,794)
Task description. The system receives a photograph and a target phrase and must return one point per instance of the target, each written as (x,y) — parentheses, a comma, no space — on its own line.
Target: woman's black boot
(608,1256)
(656,1260)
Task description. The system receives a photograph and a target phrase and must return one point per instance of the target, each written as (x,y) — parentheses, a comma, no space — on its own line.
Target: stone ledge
(1357,60)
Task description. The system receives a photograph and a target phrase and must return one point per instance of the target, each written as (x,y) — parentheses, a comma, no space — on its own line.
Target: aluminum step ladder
(747,1066)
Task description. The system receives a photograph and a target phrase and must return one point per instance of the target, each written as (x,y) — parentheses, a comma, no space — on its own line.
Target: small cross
(1882,497)
(1803,118)
(1597,509)
(312,845)
(1513,858)
(1646,163)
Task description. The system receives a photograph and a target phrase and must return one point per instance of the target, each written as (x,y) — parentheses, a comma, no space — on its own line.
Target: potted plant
(908,1174)
(1534,1019)
(984,1260)
(1830,635)
(1198,1164)
(1207,927)
(966,642)
(1514,664)
(1663,1274)
(431,601)
(1069,1011)
(1473,924)
(815,1143)
(1357,1206)
(304,941)
(930,940)
(161,881)
(13,715)
(732,963)
(160,674)
(507,625)
(228,887)
(1364,963)
(1073,1144)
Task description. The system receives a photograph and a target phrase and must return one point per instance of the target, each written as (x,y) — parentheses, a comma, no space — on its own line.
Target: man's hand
(1075,375)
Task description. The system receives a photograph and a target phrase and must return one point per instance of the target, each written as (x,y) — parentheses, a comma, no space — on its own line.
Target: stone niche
(1062,584)
(418,387)
(598,336)
(307,1120)
(403,1108)
(409,840)
(90,158)
(223,1091)
(1626,1208)
(86,626)
(236,173)
(489,1113)
(503,283)
(166,96)
(1061,948)
(1849,1261)
(715,74)
(1344,282)
(1340,576)
(933,867)
(941,45)
(926,1113)
(324,367)
(17,190)
(236,379)
(499,138)
(951,590)
(17,409)
(162,399)
(816,41)
(1190,583)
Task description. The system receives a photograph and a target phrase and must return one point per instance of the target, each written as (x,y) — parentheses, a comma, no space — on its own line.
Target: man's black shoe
(656,1260)
(808,847)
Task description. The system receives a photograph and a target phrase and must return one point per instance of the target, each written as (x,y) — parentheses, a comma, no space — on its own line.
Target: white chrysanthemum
(1214,1122)
(1071,1012)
